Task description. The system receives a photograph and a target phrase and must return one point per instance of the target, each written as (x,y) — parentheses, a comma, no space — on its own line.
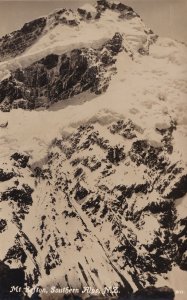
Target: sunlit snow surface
(150,90)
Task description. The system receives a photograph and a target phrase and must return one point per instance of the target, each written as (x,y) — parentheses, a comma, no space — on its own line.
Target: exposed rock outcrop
(127,206)
(58,77)
(18,41)
(9,278)
(100,209)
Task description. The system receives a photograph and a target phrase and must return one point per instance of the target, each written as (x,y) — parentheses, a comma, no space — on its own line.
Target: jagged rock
(125,11)
(50,61)
(3,225)
(4,176)
(81,193)
(89,16)
(78,172)
(21,159)
(115,44)
(17,42)
(143,153)
(143,51)
(122,7)
(183,262)
(103,200)
(127,129)
(94,196)
(17,253)
(21,104)
(92,163)
(9,278)
(180,189)
(167,134)
(22,196)
(115,155)
(52,260)
(81,11)
(103,3)
(5,107)
(180,238)
(98,15)
(54,77)
(75,72)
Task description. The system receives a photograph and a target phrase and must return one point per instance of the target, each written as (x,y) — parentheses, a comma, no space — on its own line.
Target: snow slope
(92,33)
(149,88)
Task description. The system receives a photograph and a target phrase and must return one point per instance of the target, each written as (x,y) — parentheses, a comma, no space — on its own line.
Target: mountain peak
(41,40)
(93,164)
(16,43)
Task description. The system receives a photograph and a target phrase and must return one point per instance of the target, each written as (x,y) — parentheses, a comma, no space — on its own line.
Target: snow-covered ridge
(90,198)
(87,33)
(47,33)
(58,77)
(100,176)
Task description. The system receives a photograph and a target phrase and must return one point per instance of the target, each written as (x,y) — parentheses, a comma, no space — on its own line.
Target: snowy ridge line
(99,175)
(28,59)
(57,77)
(96,30)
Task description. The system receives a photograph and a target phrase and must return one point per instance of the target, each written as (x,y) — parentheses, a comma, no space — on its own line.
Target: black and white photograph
(93,150)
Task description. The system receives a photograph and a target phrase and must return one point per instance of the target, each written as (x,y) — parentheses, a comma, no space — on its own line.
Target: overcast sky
(165,17)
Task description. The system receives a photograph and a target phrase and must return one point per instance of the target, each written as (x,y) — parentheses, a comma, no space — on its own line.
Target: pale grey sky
(165,17)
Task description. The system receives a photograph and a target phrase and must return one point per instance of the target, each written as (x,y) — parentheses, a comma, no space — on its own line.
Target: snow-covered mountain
(67,53)
(93,174)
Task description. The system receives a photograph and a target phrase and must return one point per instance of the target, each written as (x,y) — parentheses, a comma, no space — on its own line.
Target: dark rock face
(20,159)
(58,77)
(50,62)
(18,41)
(164,246)
(125,129)
(125,11)
(181,241)
(89,176)
(3,225)
(180,189)
(11,277)
(22,196)
(115,44)
(81,11)
(18,196)
(127,206)
(81,193)
(115,155)
(4,176)
(14,44)
(167,135)
(55,77)
(85,15)
(150,293)
(62,17)
(103,3)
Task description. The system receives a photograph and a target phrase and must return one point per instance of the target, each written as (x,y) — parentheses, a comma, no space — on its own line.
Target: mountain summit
(67,53)
(93,174)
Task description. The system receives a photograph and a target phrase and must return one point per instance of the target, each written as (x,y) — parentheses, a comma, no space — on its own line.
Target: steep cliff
(93,177)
